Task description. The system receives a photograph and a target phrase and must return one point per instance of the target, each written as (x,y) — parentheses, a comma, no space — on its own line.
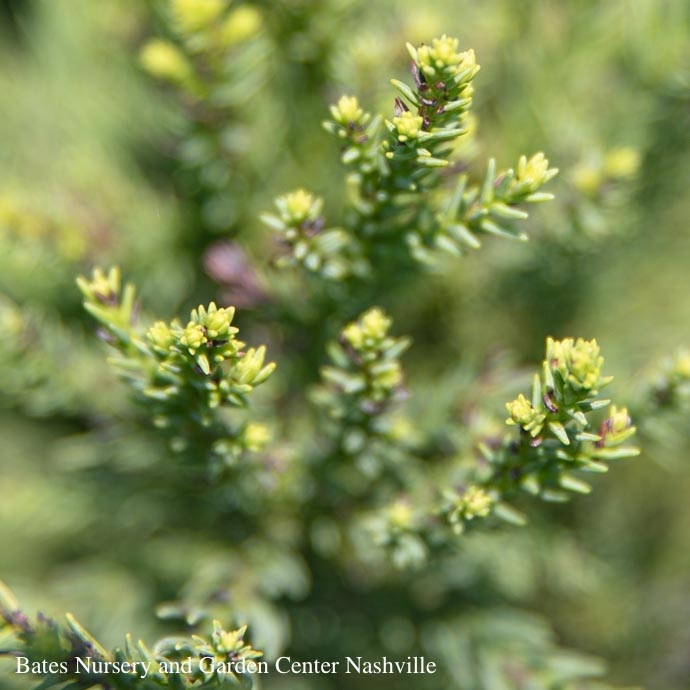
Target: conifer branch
(69,657)
(397,205)
(557,438)
(186,376)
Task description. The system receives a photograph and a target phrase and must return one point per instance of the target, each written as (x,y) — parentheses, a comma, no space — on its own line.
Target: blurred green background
(100,163)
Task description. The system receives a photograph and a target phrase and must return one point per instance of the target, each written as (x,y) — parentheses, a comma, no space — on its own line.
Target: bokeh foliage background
(99,163)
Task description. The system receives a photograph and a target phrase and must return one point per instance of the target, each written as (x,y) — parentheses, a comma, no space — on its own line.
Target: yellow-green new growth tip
(347,111)
(476,502)
(407,126)
(369,330)
(523,414)
(616,428)
(442,57)
(164,60)
(578,361)
(532,174)
(299,206)
(242,24)
(102,287)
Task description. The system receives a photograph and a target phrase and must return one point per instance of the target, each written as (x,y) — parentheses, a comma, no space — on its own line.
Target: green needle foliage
(78,660)
(367,376)
(556,440)
(374,467)
(394,487)
(370,463)
(397,200)
(556,432)
(185,375)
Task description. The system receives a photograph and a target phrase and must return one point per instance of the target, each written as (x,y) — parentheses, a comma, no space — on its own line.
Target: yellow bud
(164,60)
(241,25)
(619,420)
(408,125)
(375,323)
(217,322)
(227,642)
(102,287)
(347,111)
(353,334)
(400,515)
(442,55)
(523,414)
(193,336)
(579,362)
(256,436)
(160,336)
(534,172)
(299,206)
(585,363)
(476,502)
(616,428)
(371,327)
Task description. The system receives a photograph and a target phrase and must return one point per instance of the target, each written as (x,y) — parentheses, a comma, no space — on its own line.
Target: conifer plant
(341,519)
